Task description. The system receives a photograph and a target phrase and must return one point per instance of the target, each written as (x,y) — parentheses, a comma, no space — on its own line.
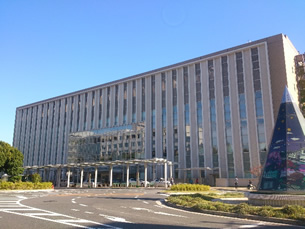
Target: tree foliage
(11,161)
(35,178)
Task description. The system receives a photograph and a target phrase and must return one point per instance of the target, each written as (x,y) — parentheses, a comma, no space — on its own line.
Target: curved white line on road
(158,213)
(249,226)
(163,194)
(115,219)
(168,214)
(84,205)
(44,214)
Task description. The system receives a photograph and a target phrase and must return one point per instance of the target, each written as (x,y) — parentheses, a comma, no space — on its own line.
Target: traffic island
(204,203)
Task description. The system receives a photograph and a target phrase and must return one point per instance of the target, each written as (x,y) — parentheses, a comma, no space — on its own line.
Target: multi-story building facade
(211,116)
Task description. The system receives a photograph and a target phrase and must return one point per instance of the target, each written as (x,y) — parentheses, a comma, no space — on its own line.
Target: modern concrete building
(211,116)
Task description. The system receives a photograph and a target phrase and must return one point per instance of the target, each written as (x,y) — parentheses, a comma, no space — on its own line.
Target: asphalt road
(107,208)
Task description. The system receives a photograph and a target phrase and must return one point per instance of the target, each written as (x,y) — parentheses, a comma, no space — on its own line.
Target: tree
(11,161)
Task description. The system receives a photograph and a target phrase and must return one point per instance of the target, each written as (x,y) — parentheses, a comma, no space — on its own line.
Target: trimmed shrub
(222,207)
(294,211)
(35,178)
(204,205)
(7,185)
(43,185)
(242,209)
(266,211)
(190,187)
(29,185)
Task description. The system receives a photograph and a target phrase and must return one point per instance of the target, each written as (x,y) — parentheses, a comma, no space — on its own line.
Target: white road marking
(41,214)
(84,205)
(76,210)
(136,197)
(74,221)
(89,213)
(9,206)
(163,194)
(73,202)
(168,214)
(145,202)
(115,219)
(141,209)
(248,226)
(158,213)
(16,209)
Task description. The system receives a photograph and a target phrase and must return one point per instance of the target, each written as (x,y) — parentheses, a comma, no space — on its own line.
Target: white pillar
(127,175)
(165,174)
(95,177)
(145,175)
(68,180)
(81,177)
(110,175)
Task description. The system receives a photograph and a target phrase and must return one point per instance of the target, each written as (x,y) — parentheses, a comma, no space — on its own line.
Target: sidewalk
(239,189)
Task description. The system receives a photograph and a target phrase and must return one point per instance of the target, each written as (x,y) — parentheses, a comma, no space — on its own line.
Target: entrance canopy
(104,163)
(110,164)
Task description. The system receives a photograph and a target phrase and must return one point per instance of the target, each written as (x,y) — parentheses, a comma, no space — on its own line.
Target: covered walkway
(110,165)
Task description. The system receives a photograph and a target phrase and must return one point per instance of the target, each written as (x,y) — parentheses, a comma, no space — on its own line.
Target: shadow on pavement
(208,224)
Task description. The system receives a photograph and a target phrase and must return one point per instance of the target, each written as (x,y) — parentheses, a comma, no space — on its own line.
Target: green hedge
(4,185)
(203,202)
(190,187)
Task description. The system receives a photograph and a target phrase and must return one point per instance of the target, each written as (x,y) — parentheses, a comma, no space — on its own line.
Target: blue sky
(49,48)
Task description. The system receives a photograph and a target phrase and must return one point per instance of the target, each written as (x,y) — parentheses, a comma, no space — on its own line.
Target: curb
(234,215)
(30,190)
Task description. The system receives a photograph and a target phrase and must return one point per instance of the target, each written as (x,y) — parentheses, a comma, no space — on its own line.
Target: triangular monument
(284,170)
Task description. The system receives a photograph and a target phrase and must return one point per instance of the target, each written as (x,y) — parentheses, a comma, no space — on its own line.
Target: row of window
(81,103)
